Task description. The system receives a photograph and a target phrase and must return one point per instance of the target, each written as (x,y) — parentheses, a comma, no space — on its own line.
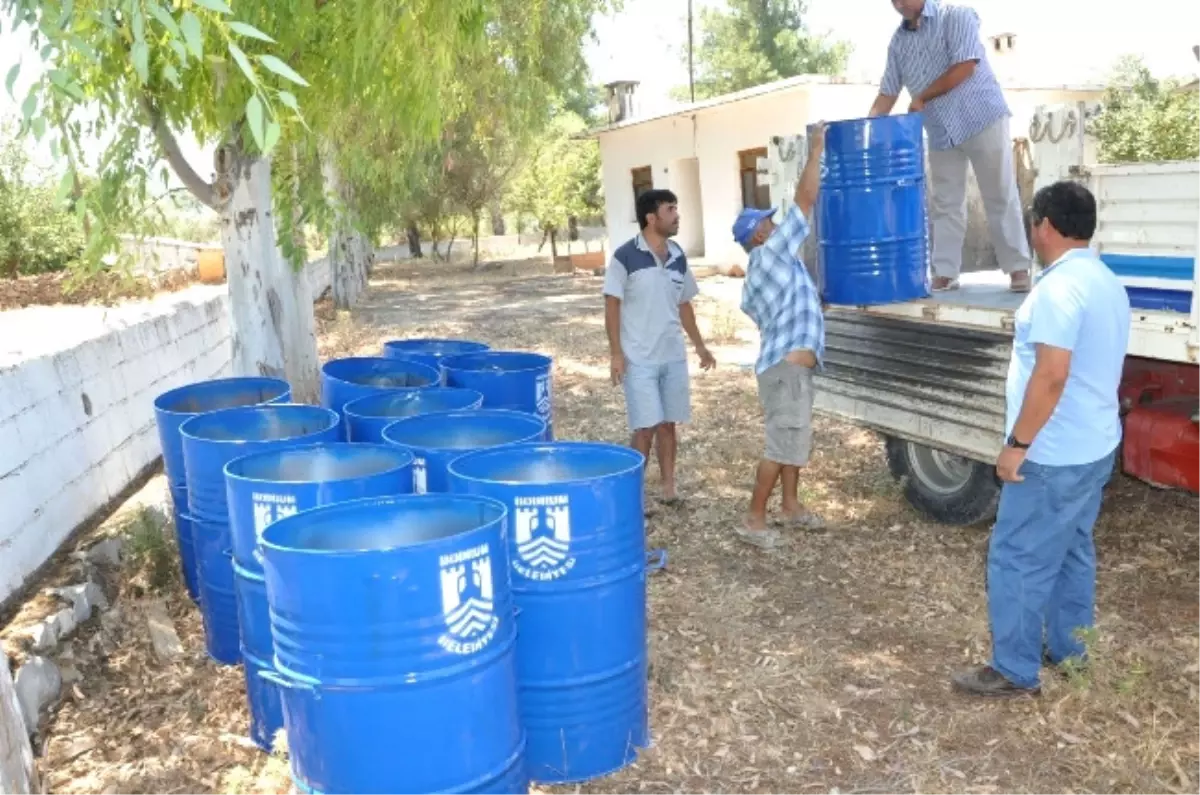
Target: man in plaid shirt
(781,299)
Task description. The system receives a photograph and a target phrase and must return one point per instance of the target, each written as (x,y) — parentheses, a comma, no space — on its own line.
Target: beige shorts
(786,392)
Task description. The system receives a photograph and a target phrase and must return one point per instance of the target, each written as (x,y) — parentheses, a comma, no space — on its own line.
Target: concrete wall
(714,135)
(159,254)
(77,390)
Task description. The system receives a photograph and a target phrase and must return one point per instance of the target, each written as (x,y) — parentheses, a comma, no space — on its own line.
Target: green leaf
(11,80)
(139,24)
(192,34)
(243,29)
(243,63)
(215,5)
(65,186)
(141,61)
(29,106)
(180,51)
(272,137)
(39,127)
(171,75)
(254,115)
(85,49)
(165,19)
(280,68)
(289,99)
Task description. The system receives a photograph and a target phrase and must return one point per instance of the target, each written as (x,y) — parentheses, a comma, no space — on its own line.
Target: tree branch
(199,187)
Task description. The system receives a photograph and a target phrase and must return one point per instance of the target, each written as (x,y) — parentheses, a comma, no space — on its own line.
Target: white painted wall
(714,135)
(77,390)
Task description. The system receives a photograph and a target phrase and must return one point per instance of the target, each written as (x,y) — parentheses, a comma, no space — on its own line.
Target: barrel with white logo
(578,563)
(171,409)
(265,487)
(343,380)
(430,351)
(210,441)
(438,438)
(513,380)
(367,417)
(394,645)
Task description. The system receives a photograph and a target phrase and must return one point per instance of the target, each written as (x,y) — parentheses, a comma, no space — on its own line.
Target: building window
(643,180)
(753,194)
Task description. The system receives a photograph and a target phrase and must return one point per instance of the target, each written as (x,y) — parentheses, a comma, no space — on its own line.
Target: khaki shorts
(786,392)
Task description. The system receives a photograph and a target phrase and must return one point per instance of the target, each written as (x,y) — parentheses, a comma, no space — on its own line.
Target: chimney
(1002,43)
(620,100)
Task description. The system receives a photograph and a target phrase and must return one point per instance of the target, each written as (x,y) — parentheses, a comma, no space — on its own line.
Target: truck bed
(983,301)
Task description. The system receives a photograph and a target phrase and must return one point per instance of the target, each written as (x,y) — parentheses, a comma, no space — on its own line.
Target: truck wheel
(946,487)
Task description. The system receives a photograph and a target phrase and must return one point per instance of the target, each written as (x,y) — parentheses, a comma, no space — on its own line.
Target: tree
(561,180)
(1146,119)
(756,42)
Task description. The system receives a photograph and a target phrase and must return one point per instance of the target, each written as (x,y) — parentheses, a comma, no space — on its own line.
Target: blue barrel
(577,552)
(437,439)
(872,220)
(210,441)
(430,351)
(264,487)
(507,380)
(343,380)
(394,645)
(175,406)
(367,417)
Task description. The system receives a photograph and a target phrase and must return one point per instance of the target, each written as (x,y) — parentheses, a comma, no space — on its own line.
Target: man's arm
(809,183)
(1043,392)
(966,50)
(614,292)
(889,87)
(687,319)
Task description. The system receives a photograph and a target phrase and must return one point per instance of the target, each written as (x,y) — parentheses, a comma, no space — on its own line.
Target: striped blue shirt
(947,35)
(780,297)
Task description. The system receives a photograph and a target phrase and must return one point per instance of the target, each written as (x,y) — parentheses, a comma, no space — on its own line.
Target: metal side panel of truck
(929,375)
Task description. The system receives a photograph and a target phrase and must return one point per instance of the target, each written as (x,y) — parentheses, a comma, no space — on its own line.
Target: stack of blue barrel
(417,565)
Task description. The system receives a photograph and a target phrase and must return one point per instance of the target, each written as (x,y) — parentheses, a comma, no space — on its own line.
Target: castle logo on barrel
(542,528)
(543,395)
(420,479)
(468,602)
(270,508)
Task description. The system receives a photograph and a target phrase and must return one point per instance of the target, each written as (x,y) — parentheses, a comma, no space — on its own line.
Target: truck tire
(947,488)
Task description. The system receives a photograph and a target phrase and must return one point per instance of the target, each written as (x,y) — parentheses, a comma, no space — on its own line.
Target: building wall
(715,135)
(77,390)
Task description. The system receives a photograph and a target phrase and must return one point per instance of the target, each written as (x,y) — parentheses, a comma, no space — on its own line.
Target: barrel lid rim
(391,364)
(633,455)
(185,430)
(438,340)
(289,450)
(482,413)
(447,362)
(401,390)
(390,499)
(248,380)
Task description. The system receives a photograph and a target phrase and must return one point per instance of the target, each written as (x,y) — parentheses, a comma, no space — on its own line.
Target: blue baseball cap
(747,221)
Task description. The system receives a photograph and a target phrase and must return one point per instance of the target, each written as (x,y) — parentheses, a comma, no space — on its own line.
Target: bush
(1145,119)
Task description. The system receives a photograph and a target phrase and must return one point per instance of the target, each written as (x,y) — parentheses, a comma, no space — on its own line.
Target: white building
(707,152)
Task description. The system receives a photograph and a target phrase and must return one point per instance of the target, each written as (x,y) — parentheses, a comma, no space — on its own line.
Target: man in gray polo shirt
(648,289)
(936,54)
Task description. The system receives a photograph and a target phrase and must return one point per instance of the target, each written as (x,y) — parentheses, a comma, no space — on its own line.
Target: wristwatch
(1012,442)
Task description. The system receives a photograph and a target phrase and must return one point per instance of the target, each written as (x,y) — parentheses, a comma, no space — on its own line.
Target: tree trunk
(545,234)
(572,228)
(414,241)
(270,305)
(553,244)
(497,219)
(475,238)
(347,265)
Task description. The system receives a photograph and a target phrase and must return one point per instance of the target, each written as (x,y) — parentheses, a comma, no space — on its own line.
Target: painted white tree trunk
(347,257)
(17,771)
(271,304)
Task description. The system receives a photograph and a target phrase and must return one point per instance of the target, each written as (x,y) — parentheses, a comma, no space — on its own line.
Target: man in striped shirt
(781,299)
(936,54)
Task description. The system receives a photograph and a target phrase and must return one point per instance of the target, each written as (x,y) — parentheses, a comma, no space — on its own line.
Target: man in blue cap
(781,299)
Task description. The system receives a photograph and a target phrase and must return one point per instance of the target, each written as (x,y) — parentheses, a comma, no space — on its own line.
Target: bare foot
(799,517)
(1019,281)
(754,531)
(943,283)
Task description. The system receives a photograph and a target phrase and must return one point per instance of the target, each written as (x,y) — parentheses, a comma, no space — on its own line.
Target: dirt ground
(49,289)
(819,667)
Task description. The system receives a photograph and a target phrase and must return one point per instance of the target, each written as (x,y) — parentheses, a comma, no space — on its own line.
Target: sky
(1058,42)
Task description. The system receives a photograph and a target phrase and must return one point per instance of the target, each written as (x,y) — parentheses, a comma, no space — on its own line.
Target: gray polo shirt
(650,292)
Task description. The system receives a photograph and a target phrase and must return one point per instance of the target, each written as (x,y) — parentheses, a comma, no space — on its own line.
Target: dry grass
(821,666)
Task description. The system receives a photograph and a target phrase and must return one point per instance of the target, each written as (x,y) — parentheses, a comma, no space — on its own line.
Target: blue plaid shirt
(948,34)
(780,297)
